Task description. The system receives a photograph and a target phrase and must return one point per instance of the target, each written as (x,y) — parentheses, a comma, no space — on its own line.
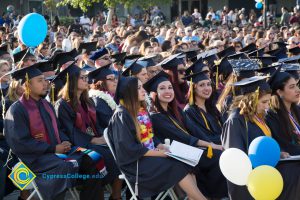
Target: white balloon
(235,166)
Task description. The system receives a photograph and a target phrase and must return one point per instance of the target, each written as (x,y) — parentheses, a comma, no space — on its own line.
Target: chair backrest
(105,135)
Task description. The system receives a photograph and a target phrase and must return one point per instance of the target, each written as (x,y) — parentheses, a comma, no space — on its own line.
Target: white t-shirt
(197,15)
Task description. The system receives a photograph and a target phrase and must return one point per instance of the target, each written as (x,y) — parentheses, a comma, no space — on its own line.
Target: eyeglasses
(112,79)
(84,78)
(181,71)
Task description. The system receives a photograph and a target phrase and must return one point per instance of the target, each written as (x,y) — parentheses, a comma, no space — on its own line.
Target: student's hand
(67,145)
(216,146)
(284,155)
(62,148)
(163,147)
(98,140)
(162,153)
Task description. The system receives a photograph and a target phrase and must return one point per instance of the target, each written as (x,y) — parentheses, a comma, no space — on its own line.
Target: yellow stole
(262,125)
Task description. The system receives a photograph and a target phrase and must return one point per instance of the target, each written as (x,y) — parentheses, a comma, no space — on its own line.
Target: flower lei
(105,96)
(145,129)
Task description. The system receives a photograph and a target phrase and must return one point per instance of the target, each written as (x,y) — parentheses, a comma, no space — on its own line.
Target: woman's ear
(279,93)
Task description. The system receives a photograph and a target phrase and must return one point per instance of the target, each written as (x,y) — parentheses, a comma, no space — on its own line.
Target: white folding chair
(161,196)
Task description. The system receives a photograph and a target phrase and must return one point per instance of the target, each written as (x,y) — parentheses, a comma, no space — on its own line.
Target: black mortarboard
(226,52)
(223,67)
(131,57)
(294,51)
(281,45)
(118,57)
(209,60)
(149,62)
(133,69)
(44,66)
(62,58)
(250,85)
(191,55)
(22,54)
(152,84)
(256,53)
(99,53)
(199,76)
(87,47)
(266,60)
(240,55)
(171,62)
(292,68)
(244,68)
(195,67)
(249,48)
(69,71)
(278,78)
(268,71)
(4,50)
(20,74)
(123,87)
(100,74)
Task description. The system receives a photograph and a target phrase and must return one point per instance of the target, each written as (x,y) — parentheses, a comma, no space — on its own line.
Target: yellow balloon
(265,183)
(259,1)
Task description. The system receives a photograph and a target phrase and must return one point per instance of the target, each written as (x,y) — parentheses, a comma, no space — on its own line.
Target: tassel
(121,101)
(67,85)
(136,190)
(52,93)
(27,89)
(256,96)
(209,151)
(217,78)
(191,96)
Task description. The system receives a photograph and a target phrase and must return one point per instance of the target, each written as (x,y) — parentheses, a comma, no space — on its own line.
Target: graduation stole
(262,125)
(80,122)
(295,124)
(36,124)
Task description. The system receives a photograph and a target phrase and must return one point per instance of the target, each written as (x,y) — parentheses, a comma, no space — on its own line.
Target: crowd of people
(214,84)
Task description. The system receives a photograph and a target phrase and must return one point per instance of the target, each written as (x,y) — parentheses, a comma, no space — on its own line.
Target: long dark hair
(278,106)
(69,93)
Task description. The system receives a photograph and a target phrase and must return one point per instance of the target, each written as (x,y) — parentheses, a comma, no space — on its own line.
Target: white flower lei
(105,96)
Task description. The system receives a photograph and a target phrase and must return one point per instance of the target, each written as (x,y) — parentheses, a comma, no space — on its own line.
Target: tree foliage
(85,4)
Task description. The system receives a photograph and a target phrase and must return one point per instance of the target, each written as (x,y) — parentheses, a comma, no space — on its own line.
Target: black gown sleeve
(67,117)
(104,112)
(17,134)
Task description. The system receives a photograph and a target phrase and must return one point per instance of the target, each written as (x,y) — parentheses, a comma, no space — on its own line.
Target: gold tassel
(121,101)
(217,78)
(191,97)
(27,89)
(130,73)
(209,151)
(256,96)
(205,120)
(52,93)
(232,87)
(67,85)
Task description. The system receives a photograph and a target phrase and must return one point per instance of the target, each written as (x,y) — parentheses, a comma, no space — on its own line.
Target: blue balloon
(32,29)
(264,151)
(258,5)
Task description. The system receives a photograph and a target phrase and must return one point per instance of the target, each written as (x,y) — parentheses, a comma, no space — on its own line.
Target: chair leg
(36,190)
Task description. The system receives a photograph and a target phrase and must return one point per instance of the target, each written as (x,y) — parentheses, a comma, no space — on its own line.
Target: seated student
(284,117)
(201,110)
(247,122)
(78,118)
(139,155)
(31,131)
(169,122)
(103,88)
(137,70)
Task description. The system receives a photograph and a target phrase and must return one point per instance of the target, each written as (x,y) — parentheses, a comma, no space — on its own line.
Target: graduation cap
(152,84)
(223,67)
(209,60)
(244,68)
(191,55)
(196,67)
(87,47)
(269,70)
(278,78)
(266,60)
(226,52)
(62,58)
(253,84)
(118,57)
(131,57)
(62,77)
(256,53)
(123,87)
(276,52)
(249,48)
(149,62)
(240,55)
(100,74)
(22,55)
(26,73)
(281,45)
(171,62)
(44,66)
(4,50)
(133,69)
(99,53)
(294,51)
(292,68)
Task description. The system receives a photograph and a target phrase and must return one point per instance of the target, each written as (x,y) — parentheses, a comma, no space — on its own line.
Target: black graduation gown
(194,115)
(155,174)
(234,136)
(67,117)
(210,180)
(103,112)
(38,156)
(287,146)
